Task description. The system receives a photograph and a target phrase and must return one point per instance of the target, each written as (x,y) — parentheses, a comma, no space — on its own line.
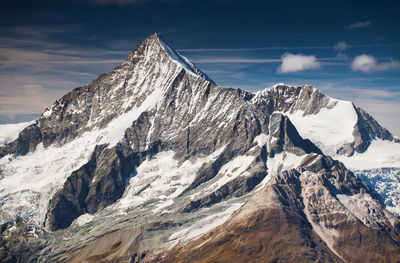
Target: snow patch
(177,58)
(329,127)
(283,161)
(163,204)
(231,170)
(83,219)
(161,178)
(115,130)
(202,226)
(47,113)
(381,153)
(386,182)
(261,139)
(38,175)
(10,132)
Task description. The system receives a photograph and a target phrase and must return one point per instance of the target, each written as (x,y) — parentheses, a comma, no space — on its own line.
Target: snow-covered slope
(381,153)
(317,212)
(154,154)
(386,182)
(9,132)
(337,127)
(182,61)
(330,128)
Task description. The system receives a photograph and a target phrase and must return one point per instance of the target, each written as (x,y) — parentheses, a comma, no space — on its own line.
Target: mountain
(153,161)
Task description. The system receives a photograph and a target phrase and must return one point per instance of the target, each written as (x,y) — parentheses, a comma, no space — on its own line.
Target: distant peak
(282,86)
(272,88)
(278,84)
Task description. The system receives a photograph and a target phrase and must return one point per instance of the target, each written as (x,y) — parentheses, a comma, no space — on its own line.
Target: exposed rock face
(283,136)
(317,213)
(310,101)
(26,142)
(154,147)
(95,185)
(186,121)
(290,99)
(236,187)
(20,243)
(367,129)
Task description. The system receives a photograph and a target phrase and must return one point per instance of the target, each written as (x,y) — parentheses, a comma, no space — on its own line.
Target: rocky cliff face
(318,212)
(283,137)
(154,154)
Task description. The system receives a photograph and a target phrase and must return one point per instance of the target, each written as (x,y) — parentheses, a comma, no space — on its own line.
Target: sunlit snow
(10,132)
(329,127)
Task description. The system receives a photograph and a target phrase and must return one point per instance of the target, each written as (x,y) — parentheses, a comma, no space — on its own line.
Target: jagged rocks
(304,215)
(26,142)
(283,136)
(20,243)
(95,185)
(154,147)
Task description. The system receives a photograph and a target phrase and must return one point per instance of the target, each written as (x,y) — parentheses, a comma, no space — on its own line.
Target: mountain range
(154,162)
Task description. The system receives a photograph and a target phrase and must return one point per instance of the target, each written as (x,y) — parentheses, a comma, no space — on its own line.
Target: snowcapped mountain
(153,161)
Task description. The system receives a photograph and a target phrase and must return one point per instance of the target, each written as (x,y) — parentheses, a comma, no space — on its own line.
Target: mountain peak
(155,45)
(154,149)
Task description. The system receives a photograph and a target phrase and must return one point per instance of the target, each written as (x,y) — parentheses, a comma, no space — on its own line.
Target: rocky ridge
(157,136)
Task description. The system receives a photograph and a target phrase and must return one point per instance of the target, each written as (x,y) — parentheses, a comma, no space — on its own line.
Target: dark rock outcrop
(162,103)
(284,137)
(20,243)
(26,142)
(95,185)
(292,218)
(366,129)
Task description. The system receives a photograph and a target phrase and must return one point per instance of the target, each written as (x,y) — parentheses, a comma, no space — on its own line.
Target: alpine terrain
(154,162)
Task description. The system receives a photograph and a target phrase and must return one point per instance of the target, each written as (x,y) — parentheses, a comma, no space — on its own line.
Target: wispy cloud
(16,57)
(41,31)
(250,49)
(244,60)
(297,62)
(35,71)
(360,24)
(201,50)
(367,63)
(341,46)
(25,98)
(235,60)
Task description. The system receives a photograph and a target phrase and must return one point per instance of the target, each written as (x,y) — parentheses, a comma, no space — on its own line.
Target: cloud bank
(297,62)
(367,63)
(360,24)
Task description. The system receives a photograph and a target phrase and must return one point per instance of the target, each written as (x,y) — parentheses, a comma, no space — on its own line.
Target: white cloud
(297,62)
(341,46)
(367,63)
(360,24)
(235,60)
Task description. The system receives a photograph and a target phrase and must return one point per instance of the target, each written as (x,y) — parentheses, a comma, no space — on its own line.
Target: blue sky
(348,49)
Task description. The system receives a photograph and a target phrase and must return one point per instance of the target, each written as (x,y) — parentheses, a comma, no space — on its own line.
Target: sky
(348,49)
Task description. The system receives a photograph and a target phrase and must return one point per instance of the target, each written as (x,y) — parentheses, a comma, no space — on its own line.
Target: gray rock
(193,118)
(284,137)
